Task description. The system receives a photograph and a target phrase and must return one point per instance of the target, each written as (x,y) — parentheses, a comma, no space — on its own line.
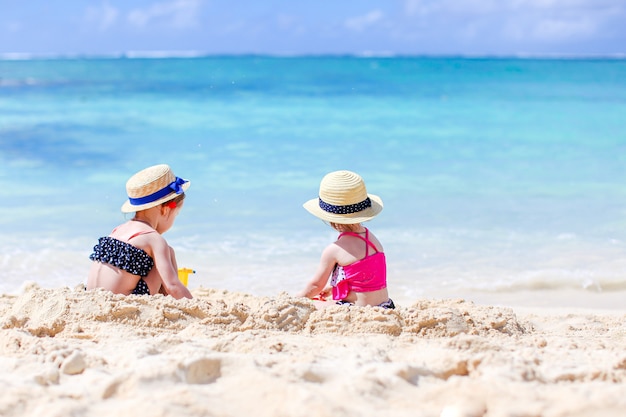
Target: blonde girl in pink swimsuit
(352,269)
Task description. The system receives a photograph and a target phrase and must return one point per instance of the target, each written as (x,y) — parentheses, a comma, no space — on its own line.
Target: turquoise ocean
(499,175)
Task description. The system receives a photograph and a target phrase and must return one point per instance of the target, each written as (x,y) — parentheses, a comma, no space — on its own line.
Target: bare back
(351,249)
(116,279)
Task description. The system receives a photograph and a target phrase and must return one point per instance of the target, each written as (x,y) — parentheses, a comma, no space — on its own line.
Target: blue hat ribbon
(176,186)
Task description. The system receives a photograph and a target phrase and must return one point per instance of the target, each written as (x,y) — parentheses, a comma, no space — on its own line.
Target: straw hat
(152,186)
(343,199)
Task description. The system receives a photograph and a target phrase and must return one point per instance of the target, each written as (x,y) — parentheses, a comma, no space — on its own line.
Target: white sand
(69,352)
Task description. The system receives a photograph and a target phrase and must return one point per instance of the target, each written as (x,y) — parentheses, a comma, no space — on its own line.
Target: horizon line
(25,56)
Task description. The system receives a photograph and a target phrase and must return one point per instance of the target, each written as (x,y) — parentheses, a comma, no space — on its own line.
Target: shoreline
(606,302)
(93,353)
(549,299)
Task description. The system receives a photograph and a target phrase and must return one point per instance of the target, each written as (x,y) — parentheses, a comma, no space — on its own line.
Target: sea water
(498,175)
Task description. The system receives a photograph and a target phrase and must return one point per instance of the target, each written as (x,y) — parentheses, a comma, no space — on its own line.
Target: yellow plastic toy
(183,275)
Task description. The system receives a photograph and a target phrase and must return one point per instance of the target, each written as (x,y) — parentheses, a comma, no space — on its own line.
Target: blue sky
(441,27)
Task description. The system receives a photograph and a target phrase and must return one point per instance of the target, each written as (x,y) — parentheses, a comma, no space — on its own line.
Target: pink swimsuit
(365,275)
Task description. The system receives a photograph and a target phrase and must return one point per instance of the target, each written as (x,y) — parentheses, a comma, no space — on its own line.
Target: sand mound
(93,353)
(78,313)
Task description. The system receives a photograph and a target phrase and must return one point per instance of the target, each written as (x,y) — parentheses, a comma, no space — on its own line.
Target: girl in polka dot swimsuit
(135,258)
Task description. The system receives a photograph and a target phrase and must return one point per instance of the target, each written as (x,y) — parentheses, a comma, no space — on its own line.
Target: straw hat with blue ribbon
(152,186)
(343,199)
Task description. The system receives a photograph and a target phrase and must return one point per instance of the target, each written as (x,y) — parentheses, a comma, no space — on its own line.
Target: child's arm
(165,263)
(317,284)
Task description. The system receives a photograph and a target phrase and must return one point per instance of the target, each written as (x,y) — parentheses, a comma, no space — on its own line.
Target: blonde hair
(345,227)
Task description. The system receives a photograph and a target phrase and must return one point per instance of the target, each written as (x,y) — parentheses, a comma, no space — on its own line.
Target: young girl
(135,258)
(356,259)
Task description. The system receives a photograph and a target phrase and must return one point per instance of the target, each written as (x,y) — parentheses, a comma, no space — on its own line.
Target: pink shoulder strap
(145,232)
(365,239)
(136,234)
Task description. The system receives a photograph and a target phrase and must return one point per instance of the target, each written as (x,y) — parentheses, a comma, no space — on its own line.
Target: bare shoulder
(375,241)
(153,238)
(149,240)
(331,251)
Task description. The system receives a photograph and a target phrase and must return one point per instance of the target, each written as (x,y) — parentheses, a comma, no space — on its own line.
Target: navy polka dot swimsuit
(126,257)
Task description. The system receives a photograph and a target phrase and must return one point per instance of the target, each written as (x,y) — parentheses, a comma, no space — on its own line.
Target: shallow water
(498,175)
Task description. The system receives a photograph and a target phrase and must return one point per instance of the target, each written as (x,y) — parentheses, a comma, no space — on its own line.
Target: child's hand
(324,294)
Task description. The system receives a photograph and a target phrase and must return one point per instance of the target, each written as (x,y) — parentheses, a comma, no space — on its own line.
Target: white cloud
(285,21)
(177,13)
(413,7)
(482,7)
(442,7)
(290,23)
(550,30)
(559,4)
(560,20)
(103,16)
(554,29)
(519,20)
(359,23)
(13,27)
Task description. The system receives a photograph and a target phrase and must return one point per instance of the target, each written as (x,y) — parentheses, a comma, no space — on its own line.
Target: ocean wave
(16,82)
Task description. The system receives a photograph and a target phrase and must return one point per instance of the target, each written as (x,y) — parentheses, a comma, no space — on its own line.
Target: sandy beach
(70,352)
